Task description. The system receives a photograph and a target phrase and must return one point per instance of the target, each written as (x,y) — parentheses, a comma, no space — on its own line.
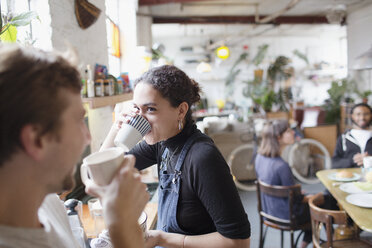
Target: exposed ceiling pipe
(274,15)
(231,40)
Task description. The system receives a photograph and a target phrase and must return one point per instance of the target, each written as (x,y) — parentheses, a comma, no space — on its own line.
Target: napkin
(365,186)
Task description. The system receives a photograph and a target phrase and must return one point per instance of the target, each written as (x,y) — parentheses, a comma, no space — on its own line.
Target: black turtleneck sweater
(209,200)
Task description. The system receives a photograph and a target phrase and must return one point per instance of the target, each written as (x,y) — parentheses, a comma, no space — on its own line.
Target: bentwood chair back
(267,220)
(323,217)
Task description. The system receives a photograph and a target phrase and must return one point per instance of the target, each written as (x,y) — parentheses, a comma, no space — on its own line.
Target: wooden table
(361,216)
(88,222)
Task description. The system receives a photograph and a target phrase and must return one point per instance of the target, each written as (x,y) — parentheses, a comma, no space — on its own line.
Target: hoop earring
(180,125)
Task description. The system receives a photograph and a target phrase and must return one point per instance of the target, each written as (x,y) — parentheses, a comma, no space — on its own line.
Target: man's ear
(183,108)
(32,142)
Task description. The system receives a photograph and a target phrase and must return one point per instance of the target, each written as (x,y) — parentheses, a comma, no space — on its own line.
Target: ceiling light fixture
(223,52)
(337,14)
(203,67)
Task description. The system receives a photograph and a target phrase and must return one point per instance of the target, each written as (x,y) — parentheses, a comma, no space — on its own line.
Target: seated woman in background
(273,170)
(199,205)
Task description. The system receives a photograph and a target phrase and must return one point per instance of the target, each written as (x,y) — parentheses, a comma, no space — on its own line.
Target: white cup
(142,221)
(100,167)
(132,132)
(367,162)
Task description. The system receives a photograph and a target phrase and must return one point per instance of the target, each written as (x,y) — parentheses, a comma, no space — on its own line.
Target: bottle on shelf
(90,82)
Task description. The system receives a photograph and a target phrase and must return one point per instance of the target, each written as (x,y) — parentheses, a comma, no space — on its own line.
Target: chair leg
(261,227)
(281,239)
(292,244)
(264,236)
(298,237)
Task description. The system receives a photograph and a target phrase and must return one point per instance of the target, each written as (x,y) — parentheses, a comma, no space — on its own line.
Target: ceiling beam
(154,2)
(239,19)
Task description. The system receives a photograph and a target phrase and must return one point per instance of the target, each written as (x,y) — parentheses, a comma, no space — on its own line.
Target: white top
(362,136)
(56,232)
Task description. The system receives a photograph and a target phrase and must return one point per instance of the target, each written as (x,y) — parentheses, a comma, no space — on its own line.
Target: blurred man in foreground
(42,136)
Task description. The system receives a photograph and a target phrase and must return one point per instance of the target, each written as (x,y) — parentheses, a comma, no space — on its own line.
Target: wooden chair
(323,217)
(274,222)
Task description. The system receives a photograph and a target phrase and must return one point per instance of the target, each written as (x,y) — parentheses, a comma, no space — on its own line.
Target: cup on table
(142,221)
(93,204)
(367,168)
(132,132)
(99,222)
(367,162)
(100,167)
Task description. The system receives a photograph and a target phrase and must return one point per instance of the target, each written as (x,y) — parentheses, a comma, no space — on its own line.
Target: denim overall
(169,188)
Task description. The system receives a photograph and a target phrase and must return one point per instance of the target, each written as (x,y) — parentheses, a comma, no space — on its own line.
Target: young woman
(272,169)
(199,205)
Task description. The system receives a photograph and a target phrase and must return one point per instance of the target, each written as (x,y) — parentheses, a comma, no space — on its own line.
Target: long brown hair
(270,146)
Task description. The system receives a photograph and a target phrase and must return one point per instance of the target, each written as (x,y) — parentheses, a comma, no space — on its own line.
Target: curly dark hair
(174,85)
(360,105)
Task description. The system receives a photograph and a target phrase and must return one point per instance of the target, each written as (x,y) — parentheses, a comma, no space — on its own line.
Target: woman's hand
(152,238)
(123,117)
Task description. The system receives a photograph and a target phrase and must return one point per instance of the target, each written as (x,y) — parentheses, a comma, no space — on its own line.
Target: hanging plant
(261,53)
(277,69)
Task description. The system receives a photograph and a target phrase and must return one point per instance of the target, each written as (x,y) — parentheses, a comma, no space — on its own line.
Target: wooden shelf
(98,102)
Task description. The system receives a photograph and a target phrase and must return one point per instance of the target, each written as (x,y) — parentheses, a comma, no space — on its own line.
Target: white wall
(91,45)
(324,43)
(359,41)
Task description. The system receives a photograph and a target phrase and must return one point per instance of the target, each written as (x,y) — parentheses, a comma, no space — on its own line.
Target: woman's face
(157,110)
(288,137)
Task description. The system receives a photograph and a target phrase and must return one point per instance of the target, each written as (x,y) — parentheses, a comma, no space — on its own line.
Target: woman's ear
(183,108)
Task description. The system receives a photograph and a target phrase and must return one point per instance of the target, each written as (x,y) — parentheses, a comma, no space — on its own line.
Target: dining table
(362,216)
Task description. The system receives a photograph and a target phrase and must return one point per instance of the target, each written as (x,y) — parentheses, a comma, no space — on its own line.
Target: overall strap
(185,149)
(163,159)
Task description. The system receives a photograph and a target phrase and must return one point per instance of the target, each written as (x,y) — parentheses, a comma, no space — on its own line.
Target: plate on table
(362,200)
(334,177)
(356,187)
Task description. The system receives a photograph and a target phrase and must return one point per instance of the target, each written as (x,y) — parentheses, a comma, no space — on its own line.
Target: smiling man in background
(42,136)
(355,144)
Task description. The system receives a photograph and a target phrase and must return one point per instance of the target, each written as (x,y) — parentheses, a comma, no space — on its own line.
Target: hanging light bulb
(223,52)
(203,67)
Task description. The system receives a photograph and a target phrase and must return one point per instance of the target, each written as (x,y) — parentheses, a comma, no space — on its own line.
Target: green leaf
(10,35)
(261,53)
(301,56)
(23,19)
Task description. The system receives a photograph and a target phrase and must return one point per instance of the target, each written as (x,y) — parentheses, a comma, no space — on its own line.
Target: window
(113,36)
(38,32)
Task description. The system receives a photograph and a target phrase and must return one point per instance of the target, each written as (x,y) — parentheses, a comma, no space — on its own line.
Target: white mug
(132,132)
(367,162)
(100,167)
(142,222)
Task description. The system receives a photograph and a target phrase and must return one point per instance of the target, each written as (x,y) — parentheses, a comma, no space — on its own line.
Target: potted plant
(257,60)
(277,70)
(332,105)
(9,24)
(363,94)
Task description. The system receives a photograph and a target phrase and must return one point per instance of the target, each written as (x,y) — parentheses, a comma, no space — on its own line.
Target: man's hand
(123,201)
(358,158)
